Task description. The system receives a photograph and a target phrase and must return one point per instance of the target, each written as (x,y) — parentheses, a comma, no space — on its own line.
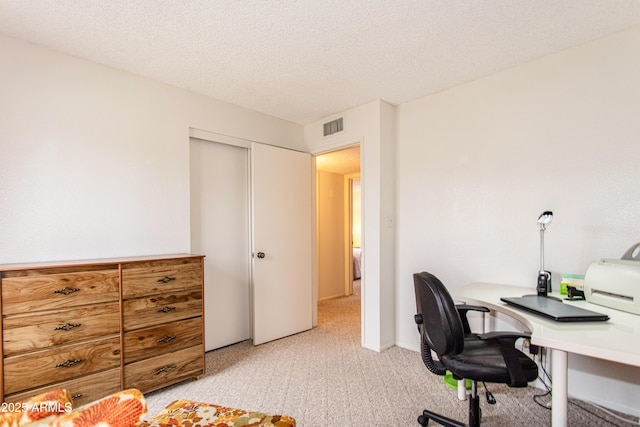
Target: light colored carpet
(323,377)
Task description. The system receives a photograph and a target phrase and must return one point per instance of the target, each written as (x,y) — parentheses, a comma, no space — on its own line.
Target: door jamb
(348,224)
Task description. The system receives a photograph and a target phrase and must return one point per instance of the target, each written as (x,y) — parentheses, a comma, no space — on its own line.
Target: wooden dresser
(98,326)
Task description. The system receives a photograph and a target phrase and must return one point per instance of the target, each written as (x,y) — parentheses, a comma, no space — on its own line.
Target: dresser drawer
(164,308)
(48,289)
(152,374)
(148,342)
(43,367)
(83,390)
(21,333)
(155,277)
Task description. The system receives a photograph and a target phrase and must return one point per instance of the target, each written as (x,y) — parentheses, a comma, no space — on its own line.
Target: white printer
(615,283)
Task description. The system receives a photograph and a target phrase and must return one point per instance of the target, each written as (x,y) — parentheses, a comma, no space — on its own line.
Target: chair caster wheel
(423,420)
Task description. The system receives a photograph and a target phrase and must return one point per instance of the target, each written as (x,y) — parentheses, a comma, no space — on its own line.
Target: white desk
(616,339)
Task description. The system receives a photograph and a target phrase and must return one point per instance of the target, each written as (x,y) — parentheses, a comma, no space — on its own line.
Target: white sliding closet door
(220,230)
(282,227)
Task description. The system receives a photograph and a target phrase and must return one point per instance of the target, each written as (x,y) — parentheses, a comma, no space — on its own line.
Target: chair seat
(482,360)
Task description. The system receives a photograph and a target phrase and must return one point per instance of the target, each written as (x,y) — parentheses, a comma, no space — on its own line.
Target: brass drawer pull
(166,279)
(66,290)
(68,363)
(166,309)
(166,339)
(67,327)
(167,368)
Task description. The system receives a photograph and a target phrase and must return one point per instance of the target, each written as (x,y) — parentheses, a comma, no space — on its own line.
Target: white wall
(478,163)
(95,162)
(331,234)
(372,126)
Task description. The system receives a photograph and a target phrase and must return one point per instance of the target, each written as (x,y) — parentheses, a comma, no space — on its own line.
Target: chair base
(474,415)
(423,420)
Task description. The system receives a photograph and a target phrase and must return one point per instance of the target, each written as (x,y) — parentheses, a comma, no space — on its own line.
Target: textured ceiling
(305,60)
(341,162)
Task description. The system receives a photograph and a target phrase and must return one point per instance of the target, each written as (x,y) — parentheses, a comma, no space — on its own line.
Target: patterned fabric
(123,409)
(127,409)
(184,413)
(37,408)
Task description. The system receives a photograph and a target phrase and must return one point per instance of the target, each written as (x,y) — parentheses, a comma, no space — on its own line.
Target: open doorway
(338,222)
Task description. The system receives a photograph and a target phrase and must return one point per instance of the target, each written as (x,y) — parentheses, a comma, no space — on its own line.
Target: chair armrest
(463,309)
(507,341)
(506,335)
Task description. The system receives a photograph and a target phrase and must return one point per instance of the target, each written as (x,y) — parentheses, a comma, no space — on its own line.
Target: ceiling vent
(333,126)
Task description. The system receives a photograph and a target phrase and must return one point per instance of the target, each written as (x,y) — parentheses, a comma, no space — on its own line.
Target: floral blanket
(127,409)
(55,409)
(185,413)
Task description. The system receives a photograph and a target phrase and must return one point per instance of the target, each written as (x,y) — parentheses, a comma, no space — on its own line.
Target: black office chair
(490,357)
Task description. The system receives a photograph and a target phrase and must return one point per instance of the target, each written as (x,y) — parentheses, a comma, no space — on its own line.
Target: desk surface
(617,339)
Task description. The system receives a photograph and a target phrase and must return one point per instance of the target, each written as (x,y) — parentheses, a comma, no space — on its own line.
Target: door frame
(348,224)
(348,277)
(340,145)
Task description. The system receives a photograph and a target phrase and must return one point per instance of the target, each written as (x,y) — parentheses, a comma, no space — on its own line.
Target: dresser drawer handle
(166,279)
(67,327)
(68,363)
(166,339)
(66,290)
(76,396)
(167,368)
(166,309)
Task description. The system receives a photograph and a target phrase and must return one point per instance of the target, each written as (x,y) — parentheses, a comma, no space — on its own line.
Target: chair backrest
(442,327)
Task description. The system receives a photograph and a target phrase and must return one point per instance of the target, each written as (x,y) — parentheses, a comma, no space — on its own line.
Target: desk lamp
(544,277)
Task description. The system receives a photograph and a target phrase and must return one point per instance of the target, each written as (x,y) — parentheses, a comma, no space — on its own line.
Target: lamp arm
(542,227)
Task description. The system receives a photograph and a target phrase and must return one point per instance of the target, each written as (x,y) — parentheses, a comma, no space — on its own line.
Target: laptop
(554,309)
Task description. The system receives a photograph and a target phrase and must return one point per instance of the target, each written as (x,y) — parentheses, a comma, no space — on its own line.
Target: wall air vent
(332,127)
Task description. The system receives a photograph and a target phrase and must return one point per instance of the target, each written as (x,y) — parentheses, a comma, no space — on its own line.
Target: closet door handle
(261,255)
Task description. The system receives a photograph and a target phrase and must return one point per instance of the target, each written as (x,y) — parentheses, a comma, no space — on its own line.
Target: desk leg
(560,377)
(462,389)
